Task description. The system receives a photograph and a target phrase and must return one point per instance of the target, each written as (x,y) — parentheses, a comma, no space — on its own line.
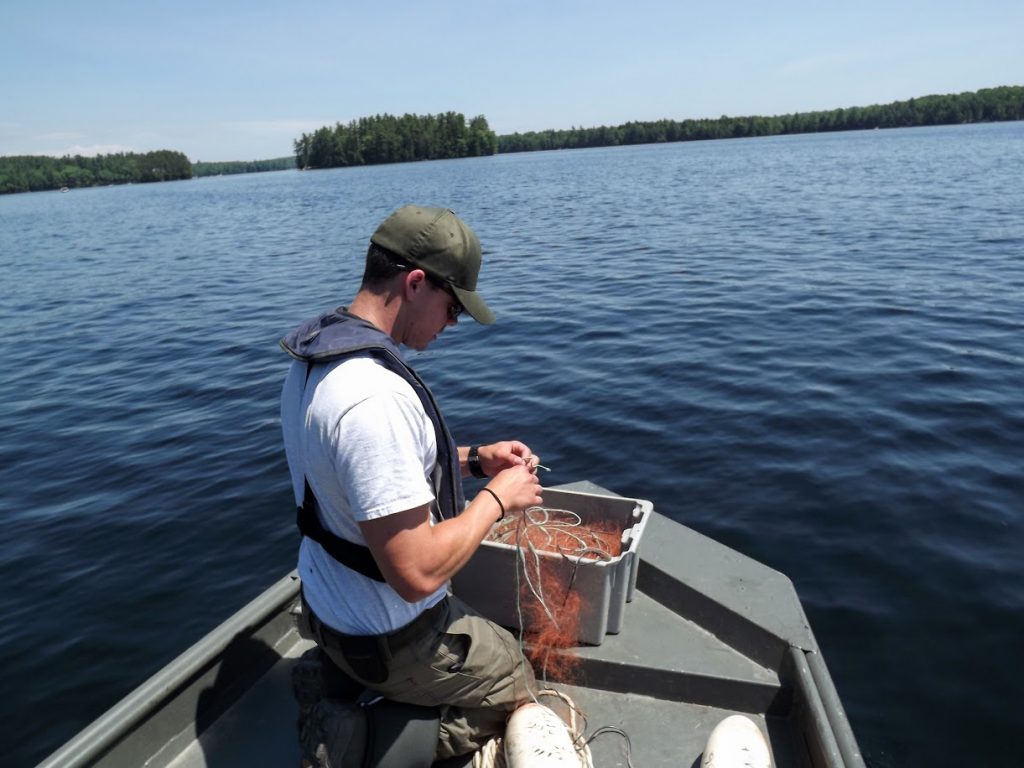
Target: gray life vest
(336,335)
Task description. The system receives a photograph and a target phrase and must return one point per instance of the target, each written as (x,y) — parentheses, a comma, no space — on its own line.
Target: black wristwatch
(473,462)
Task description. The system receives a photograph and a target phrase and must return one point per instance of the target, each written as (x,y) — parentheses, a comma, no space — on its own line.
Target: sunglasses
(455,308)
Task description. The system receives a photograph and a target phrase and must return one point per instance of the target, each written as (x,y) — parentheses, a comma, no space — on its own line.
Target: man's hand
(518,488)
(507,454)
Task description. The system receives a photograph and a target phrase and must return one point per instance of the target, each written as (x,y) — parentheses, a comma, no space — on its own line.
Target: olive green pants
(467,666)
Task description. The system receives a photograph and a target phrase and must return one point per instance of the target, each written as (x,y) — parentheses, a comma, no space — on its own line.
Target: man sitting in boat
(377,478)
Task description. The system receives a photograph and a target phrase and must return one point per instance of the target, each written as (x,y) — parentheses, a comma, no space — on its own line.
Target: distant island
(32,173)
(389,139)
(242,166)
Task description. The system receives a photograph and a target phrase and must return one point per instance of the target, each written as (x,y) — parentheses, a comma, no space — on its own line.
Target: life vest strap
(348,553)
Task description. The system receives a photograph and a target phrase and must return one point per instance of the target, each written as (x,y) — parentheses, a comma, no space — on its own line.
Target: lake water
(810,348)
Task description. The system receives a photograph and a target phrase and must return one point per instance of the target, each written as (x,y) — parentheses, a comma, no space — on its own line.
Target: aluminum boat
(707,634)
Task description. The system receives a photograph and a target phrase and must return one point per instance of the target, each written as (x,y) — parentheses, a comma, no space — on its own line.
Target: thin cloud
(94,149)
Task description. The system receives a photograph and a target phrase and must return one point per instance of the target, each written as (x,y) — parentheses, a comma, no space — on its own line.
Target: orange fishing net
(551,545)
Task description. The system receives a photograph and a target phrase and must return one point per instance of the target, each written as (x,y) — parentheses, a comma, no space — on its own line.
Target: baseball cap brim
(474,304)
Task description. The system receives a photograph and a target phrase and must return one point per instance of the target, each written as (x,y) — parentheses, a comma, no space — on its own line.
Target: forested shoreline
(984,106)
(200,168)
(389,139)
(32,173)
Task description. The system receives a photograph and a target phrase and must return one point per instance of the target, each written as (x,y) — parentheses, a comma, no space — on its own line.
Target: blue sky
(222,80)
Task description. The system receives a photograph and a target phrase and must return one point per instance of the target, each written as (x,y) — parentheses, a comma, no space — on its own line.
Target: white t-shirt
(359,434)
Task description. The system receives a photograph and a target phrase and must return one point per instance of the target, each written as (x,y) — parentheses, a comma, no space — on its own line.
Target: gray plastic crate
(488,581)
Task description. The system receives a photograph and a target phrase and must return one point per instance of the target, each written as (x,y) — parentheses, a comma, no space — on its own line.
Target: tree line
(390,139)
(986,105)
(199,168)
(31,173)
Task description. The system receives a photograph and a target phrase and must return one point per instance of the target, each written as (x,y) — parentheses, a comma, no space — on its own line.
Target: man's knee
(464,731)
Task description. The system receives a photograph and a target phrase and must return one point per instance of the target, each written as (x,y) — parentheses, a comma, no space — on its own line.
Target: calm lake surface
(810,348)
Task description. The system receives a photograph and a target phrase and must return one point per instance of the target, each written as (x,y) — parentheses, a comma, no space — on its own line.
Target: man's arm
(417,558)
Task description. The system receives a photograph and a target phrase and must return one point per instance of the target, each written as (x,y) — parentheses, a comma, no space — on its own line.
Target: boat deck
(259,728)
(708,633)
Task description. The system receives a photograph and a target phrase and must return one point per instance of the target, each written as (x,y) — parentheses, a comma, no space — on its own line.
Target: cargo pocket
(462,682)
(495,657)
(453,653)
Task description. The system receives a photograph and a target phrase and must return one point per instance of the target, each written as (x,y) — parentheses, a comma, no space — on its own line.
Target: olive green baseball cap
(440,243)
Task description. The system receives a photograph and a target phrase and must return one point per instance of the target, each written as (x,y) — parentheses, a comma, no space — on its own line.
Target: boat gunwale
(193,669)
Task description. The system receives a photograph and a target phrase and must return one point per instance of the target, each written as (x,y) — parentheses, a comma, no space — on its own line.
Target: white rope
(538,527)
(491,754)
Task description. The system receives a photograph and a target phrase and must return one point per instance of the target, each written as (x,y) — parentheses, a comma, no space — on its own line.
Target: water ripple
(808,347)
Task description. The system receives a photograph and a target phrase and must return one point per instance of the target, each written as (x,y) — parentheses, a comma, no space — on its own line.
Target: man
(378,480)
